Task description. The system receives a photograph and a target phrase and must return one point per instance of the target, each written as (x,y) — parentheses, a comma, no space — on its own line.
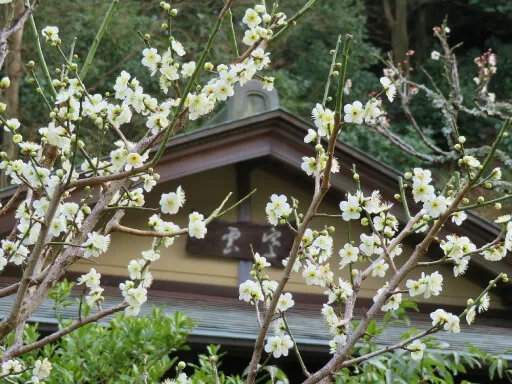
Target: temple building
(254,144)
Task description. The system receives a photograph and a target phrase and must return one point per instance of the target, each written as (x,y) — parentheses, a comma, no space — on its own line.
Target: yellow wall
(204,192)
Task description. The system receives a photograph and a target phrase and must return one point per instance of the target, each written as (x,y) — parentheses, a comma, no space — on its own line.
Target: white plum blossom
(436,206)
(51,34)
(91,279)
(151,255)
(311,136)
(187,69)
(434,55)
(151,59)
(250,291)
(417,348)
(348,254)
(278,345)
(448,321)
(389,88)
(285,302)
(380,268)
(323,119)
(196,225)
(251,18)
(11,368)
(350,208)
(354,113)
(41,369)
(470,315)
(277,208)
(171,202)
(392,303)
(336,342)
(96,244)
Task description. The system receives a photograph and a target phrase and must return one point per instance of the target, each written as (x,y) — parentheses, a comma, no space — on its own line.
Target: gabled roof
(277,136)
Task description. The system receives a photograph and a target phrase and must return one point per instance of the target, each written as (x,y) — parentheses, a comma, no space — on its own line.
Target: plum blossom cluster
(14,368)
(261,289)
(91,280)
(170,68)
(486,69)
(448,321)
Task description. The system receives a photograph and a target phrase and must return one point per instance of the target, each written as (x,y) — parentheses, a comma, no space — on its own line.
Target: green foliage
(438,365)
(124,351)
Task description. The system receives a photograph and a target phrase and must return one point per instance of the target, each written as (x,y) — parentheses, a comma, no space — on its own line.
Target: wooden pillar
(243,188)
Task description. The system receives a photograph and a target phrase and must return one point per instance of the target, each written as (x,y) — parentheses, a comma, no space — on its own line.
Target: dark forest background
(300,59)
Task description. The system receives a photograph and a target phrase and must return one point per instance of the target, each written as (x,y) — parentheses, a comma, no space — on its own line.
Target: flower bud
(282,221)
(354,272)
(408,175)
(397,197)
(324,232)
(480,199)
(488,185)
(3,107)
(5,83)
(462,139)
(147,36)
(335,73)
(31,65)
(253,273)
(164,26)
(182,365)
(465,200)
(470,302)
(364,222)
(173,12)
(329,98)
(208,66)
(266,18)
(356,176)
(17,138)
(331,229)
(497,206)
(74,66)
(457,147)
(426,217)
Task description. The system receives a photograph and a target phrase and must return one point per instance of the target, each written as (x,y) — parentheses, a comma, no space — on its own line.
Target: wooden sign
(234,240)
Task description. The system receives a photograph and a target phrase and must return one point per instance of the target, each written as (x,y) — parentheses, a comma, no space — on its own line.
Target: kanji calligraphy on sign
(234,240)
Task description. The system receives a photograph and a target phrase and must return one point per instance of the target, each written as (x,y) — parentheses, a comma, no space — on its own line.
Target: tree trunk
(14,70)
(398,25)
(421,31)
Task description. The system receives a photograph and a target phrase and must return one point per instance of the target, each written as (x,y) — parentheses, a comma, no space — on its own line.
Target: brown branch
(18,351)
(12,200)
